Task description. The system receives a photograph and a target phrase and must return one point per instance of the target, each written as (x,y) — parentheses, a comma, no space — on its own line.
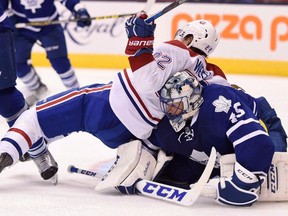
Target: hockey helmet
(180,98)
(205,36)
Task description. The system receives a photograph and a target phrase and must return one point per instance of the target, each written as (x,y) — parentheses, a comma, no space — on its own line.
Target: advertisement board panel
(254,38)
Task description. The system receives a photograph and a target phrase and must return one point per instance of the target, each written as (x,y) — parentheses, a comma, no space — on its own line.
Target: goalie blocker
(274,189)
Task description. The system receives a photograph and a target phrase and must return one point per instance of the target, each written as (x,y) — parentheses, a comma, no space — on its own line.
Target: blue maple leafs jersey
(227,120)
(34,11)
(4,21)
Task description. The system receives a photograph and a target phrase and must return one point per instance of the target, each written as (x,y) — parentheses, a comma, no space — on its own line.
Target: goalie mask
(205,36)
(180,99)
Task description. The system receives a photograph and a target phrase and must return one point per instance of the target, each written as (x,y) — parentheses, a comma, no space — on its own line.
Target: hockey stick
(166,192)
(178,195)
(164,10)
(73,169)
(147,7)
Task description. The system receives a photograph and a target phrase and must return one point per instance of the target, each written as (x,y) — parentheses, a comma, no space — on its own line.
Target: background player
(52,39)
(12,100)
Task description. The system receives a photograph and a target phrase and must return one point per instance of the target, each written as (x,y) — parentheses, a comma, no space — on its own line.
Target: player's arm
(208,73)
(253,149)
(275,189)
(241,189)
(5,22)
(79,10)
(140,48)
(140,43)
(140,39)
(4,5)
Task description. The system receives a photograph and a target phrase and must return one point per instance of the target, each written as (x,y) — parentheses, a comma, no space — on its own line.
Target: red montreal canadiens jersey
(136,88)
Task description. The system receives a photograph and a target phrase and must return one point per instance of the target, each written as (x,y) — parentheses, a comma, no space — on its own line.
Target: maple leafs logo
(32,4)
(222,104)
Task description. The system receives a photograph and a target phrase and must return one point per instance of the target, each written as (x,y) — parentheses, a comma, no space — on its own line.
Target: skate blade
(54,179)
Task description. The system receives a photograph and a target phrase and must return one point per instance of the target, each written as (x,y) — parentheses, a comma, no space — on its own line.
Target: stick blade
(198,187)
(164,10)
(149,5)
(174,194)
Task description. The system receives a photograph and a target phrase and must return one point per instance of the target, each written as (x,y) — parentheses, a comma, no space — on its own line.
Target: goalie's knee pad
(132,162)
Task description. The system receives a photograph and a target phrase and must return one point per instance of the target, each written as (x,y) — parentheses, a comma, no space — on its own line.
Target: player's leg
(85,109)
(43,159)
(24,134)
(12,101)
(64,113)
(25,70)
(55,46)
(54,122)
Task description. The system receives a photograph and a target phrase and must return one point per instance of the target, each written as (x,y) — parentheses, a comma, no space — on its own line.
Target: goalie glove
(140,35)
(241,189)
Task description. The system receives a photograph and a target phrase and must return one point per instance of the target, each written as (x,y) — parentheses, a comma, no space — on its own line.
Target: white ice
(24,193)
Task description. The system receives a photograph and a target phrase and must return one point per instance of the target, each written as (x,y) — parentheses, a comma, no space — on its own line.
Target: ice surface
(24,193)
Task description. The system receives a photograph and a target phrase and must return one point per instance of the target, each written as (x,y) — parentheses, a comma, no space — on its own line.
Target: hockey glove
(82,14)
(140,35)
(241,189)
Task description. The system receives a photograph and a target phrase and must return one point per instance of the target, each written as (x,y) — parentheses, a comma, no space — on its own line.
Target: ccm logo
(273,180)
(164,191)
(89,173)
(141,43)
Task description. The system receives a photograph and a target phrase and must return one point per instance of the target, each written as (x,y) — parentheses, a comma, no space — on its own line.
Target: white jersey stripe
(249,136)
(239,124)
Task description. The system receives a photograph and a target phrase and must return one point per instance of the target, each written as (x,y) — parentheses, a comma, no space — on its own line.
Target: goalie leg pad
(132,162)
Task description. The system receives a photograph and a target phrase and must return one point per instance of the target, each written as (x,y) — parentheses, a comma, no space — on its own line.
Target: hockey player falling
(129,109)
(177,51)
